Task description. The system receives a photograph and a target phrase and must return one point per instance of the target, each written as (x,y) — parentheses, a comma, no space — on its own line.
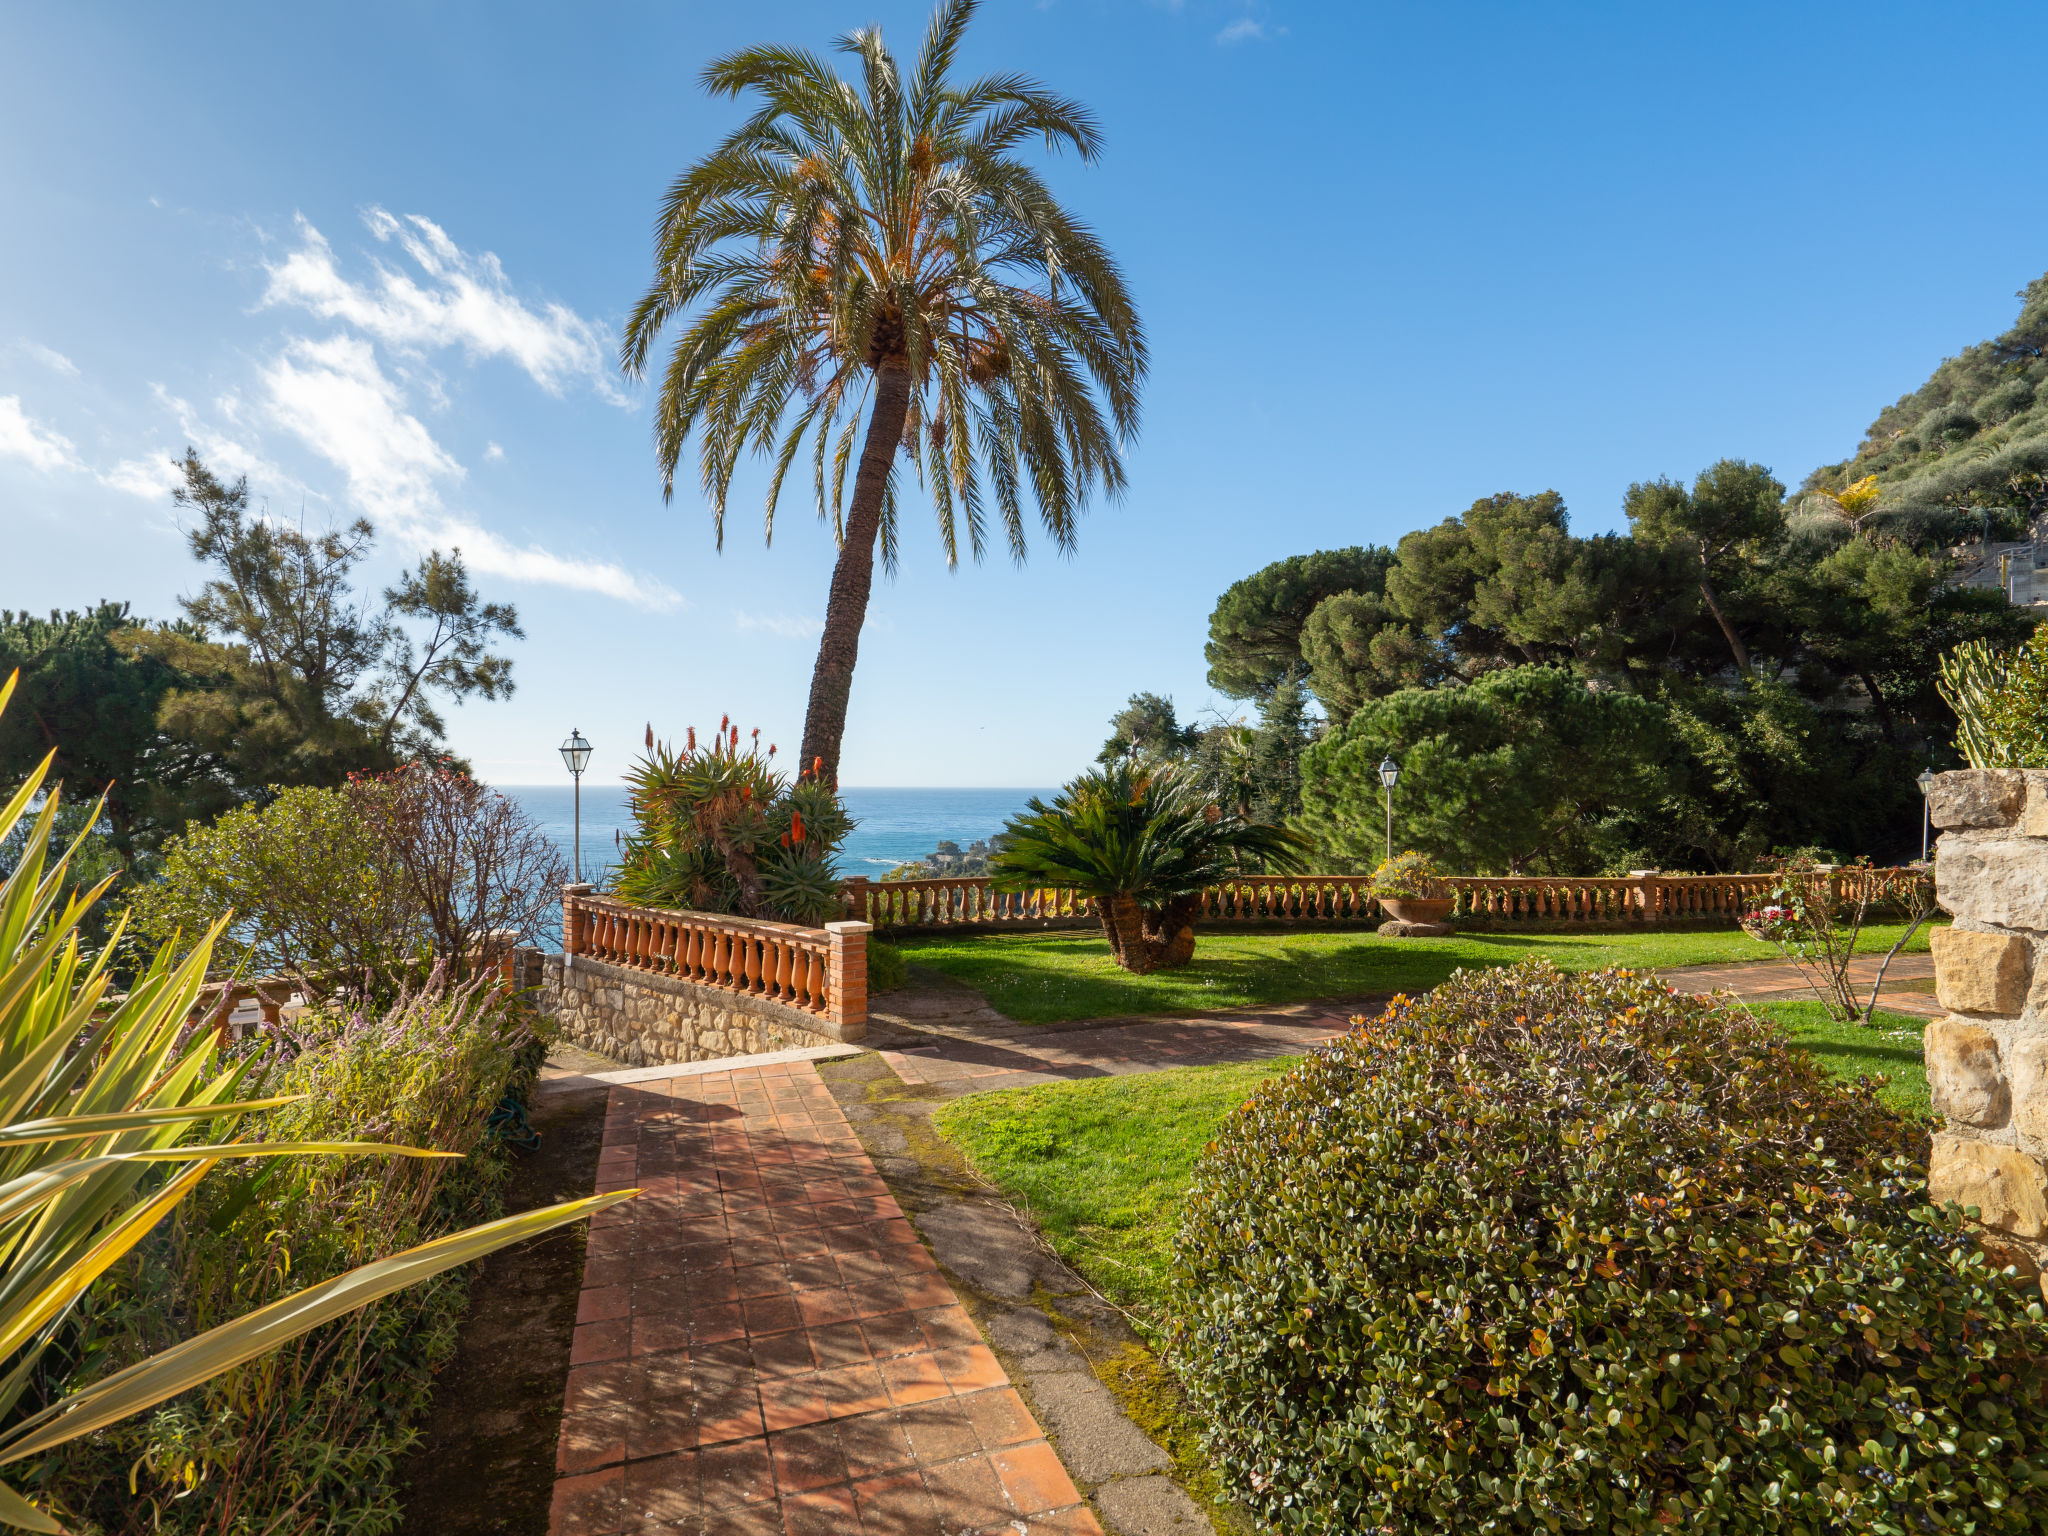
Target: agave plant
(1143,842)
(111,1112)
(720,830)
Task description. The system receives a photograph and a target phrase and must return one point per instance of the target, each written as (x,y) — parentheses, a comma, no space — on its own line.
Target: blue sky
(1391,258)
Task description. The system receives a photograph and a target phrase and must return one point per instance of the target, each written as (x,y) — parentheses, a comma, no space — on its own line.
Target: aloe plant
(108,1119)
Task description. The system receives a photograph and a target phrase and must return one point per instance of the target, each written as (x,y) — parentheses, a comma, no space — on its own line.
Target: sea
(891,826)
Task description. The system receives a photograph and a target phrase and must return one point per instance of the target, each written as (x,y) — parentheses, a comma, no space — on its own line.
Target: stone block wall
(1987,1058)
(645,1020)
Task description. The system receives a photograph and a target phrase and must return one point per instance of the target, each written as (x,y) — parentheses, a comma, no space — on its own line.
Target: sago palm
(873,248)
(1144,842)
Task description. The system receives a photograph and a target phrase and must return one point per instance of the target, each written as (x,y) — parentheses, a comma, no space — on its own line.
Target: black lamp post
(1926,782)
(576,755)
(1390,771)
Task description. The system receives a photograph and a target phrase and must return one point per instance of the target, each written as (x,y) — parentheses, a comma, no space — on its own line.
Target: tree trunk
(1714,607)
(846,610)
(1144,942)
(1884,708)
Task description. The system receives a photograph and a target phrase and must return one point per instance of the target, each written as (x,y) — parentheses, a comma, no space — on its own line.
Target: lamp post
(576,755)
(1389,772)
(1926,782)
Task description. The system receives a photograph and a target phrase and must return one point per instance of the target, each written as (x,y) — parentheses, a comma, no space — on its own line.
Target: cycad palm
(877,245)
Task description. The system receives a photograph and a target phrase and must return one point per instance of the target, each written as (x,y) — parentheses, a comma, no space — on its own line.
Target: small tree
(1816,913)
(469,862)
(1143,843)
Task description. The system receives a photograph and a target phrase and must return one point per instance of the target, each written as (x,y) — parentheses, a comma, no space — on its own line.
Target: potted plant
(1412,890)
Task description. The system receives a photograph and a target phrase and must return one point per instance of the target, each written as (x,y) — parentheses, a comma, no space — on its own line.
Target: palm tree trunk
(846,610)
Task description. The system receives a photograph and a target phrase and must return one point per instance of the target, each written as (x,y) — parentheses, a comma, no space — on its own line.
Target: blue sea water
(891,826)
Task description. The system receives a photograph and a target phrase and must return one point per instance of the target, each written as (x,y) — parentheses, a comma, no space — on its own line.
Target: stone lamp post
(1987,1058)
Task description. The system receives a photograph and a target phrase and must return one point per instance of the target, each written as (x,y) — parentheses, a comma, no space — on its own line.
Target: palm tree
(1144,842)
(876,245)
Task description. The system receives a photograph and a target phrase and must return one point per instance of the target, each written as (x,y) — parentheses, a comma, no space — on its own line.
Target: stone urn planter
(1416,909)
(1987,1058)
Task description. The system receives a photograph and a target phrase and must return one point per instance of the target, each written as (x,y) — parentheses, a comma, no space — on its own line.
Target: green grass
(1890,1045)
(1049,978)
(1100,1164)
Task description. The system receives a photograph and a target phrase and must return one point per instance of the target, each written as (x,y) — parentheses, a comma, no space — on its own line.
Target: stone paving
(1779,981)
(764,1346)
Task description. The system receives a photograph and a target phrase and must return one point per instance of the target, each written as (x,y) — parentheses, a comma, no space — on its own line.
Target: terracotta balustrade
(810,969)
(1602,901)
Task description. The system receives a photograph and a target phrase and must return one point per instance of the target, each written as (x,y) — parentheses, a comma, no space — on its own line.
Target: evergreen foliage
(1537,1252)
(1255,632)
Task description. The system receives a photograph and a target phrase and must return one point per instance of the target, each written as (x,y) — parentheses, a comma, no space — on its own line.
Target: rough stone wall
(1987,1059)
(645,1020)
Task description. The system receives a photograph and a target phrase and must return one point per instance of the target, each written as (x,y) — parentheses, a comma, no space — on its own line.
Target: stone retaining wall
(645,1020)
(1987,1059)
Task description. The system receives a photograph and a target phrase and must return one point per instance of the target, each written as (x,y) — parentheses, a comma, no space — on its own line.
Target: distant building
(2018,568)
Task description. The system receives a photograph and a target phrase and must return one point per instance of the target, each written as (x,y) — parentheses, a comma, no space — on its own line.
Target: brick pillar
(847,979)
(572,921)
(856,893)
(1987,1059)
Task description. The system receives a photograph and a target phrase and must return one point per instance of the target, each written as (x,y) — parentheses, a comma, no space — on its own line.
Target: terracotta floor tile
(895,1504)
(914,1379)
(873,1297)
(789,1402)
(947,1327)
(1032,1476)
(807,1458)
(854,1389)
(658,1428)
(589,1441)
(999,1418)
(659,1332)
(874,1442)
(971,1368)
(596,1304)
(772,1314)
(762,1280)
(663,1490)
(597,1388)
(736,1473)
(926,1290)
(784,1354)
(591,1504)
(821,1512)
(897,1333)
(608,1340)
(939,1431)
(708,1325)
(818,1308)
(811,1274)
(729,1415)
(837,1344)
(968,1494)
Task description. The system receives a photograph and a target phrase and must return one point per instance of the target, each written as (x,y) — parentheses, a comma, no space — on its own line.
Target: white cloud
(335,398)
(786,625)
(37,446)
(49,357)
(465,300)
(150,478)
(493,453)
(1244,29)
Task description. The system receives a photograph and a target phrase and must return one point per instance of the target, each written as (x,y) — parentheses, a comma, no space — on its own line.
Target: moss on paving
(1049,978)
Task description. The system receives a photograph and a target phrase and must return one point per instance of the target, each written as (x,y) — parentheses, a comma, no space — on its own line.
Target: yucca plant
(1143,842)
(107,1121)
(718,829)
(875,247)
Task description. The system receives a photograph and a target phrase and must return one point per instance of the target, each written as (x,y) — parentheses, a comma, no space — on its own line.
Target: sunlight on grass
(1047,978)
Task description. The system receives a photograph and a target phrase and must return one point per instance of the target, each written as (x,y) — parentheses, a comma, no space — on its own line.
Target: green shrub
(888,967)
(316,1428)
(1543,1252)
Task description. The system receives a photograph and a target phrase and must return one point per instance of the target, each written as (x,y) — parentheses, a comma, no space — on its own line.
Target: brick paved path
(1777,981)
(763,1346)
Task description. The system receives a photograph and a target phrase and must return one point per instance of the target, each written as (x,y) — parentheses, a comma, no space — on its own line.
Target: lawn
(1100,1163)
(1048,978)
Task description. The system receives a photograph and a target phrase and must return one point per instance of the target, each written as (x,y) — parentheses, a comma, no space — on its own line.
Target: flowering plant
(1410,876)
(1815,914)
(720,830)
